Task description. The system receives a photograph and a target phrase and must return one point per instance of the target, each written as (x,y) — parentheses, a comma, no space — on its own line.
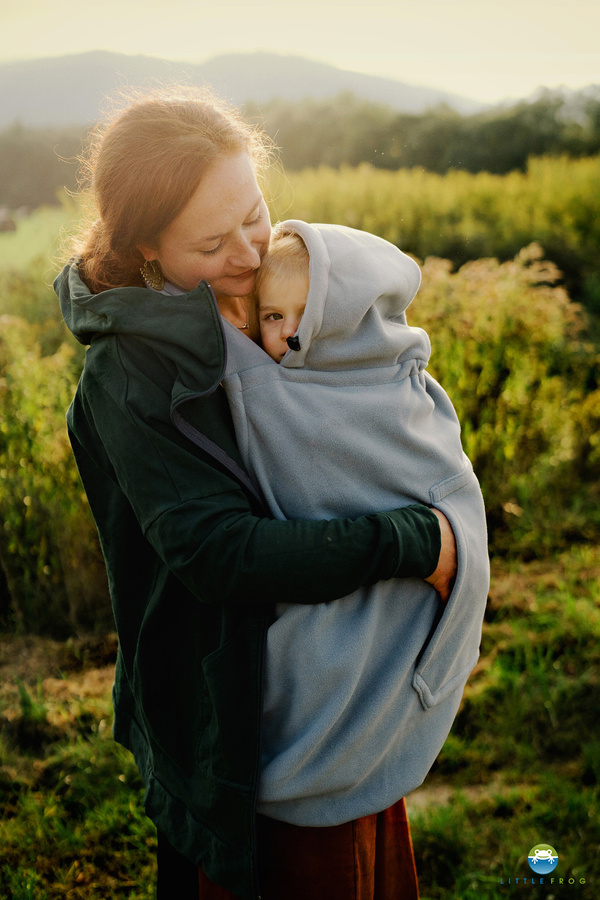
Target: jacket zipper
(254,835)
(218,454)
(238,473)
(214,450)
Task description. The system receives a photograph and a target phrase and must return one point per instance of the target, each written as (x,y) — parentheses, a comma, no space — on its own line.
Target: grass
(521,766)
(71,802)
(37,236)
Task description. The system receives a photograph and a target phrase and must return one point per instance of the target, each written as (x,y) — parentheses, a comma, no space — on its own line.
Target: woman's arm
(442,578)
(200,523)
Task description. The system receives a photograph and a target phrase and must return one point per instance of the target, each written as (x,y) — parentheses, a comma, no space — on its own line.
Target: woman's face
(221,235)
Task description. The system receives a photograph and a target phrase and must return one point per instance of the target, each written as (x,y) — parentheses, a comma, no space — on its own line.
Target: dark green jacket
(194,562)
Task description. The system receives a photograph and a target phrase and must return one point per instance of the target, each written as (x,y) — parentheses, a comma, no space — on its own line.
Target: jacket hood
(185,329)
(359,289)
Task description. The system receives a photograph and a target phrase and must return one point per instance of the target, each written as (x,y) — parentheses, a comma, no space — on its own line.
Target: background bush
(53,575)
(462,216)
(511,350)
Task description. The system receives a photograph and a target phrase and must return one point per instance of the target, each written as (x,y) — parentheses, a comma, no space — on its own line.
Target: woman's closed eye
(248,224)
(255,220)
(213,251)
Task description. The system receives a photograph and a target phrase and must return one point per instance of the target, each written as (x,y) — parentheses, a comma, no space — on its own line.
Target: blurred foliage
(36,164)
(345,130)
(72,820)
(38,238)
(462,217)
(522,762)
(511,350)
(53,577)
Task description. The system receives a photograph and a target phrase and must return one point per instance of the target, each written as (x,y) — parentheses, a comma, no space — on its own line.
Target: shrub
(48,547)
(509,347)
(462,216)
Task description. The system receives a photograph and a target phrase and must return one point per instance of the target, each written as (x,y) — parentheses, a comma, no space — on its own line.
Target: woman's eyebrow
(216,237)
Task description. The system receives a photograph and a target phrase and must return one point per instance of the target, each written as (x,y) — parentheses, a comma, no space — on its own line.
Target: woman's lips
(243,275)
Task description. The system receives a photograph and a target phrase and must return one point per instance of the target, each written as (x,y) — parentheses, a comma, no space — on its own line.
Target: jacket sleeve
(200,522)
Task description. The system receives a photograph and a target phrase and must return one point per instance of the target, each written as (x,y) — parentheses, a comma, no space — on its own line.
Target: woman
(195,563)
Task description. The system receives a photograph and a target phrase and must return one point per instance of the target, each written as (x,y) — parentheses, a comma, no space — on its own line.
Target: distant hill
(68,90)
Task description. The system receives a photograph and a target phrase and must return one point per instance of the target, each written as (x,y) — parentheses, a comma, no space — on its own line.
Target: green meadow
(510,298)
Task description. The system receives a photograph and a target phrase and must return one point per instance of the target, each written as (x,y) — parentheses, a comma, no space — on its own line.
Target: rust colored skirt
(368,859)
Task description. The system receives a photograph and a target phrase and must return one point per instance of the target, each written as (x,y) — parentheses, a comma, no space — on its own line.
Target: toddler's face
(280,308)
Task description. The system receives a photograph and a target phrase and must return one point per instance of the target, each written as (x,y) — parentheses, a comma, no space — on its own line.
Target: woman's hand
(442,578)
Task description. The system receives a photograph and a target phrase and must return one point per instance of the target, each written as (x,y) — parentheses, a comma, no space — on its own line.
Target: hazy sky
(483,49)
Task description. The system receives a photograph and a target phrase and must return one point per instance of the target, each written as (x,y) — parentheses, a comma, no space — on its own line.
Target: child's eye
(273,317)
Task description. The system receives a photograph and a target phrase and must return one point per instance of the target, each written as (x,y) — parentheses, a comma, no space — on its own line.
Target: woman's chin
(241,284)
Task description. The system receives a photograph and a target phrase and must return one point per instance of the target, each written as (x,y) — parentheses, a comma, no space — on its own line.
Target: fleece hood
(359,289)
(184,329)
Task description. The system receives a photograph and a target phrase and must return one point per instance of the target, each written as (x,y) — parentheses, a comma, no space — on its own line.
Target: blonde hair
(287,257)
(142,168)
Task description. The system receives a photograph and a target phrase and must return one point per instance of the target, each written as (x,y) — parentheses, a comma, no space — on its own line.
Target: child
(376,678)
(279,297)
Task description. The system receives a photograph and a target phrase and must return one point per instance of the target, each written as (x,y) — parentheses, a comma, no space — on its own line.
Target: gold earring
(152,274)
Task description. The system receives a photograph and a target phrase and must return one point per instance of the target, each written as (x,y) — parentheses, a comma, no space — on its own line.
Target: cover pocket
(452,648)
(453,483)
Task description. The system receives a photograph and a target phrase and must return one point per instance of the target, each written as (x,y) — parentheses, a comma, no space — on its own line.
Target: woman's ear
(149,253)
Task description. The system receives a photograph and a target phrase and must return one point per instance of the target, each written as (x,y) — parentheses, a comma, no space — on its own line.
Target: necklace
(243,327)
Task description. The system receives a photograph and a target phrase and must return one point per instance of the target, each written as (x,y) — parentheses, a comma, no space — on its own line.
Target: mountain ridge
(70,89)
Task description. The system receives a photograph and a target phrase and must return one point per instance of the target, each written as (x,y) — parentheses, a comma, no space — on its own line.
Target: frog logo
(543,859)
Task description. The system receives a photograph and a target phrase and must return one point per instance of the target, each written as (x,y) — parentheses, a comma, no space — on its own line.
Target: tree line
(349,131)
(36,165)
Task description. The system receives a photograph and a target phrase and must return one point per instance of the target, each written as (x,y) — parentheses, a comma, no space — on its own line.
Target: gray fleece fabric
(360,693)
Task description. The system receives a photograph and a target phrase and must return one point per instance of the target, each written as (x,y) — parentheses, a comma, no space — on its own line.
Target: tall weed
(48,546)
(462,216)
(510,348)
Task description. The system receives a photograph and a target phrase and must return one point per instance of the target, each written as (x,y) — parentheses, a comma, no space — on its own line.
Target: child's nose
(289,328)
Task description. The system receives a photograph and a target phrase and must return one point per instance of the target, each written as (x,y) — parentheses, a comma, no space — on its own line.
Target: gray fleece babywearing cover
(360,693)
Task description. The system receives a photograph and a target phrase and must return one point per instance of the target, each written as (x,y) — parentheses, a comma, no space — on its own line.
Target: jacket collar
(185,329)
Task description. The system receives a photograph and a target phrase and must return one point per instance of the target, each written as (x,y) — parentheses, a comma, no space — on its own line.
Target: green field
(37,237)
(519,358)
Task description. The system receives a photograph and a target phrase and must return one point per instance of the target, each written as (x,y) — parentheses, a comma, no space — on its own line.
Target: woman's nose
(246,254)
